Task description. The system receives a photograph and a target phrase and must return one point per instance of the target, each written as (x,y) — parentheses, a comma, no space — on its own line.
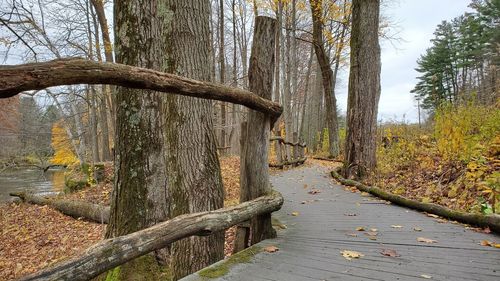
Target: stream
(35,180)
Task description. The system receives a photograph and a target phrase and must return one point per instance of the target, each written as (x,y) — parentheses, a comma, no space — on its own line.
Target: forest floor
(34,237)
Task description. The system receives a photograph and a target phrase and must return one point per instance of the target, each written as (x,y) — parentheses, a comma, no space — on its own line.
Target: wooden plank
(310,246)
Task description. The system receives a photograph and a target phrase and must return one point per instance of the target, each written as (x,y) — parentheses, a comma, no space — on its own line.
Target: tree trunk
(140,196)
(327,75)
(75,209)
(108,55)
(193,167)
(82,145)
(277,78)
(364,90)
(92,101)
(302,134)
(222,62)
(101,98)
(255,174)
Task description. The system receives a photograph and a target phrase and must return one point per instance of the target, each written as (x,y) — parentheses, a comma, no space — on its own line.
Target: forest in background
(451,158)
(457,88)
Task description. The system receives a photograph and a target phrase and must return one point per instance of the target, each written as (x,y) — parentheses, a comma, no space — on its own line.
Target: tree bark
(242,235)
(75,209)
(110,253)
(222,63)
(36,76)
(327,75)
(255,175)
(193,171)
(364,90)
(140,196)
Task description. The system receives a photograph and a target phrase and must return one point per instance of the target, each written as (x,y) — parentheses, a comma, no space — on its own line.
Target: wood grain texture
(309,249)
(113,252)
(15,79)
(254,179)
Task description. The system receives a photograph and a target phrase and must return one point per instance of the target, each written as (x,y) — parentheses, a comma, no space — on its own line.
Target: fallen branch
(288,163)
(76,209)
(36,76)
(491,221)
(113,252)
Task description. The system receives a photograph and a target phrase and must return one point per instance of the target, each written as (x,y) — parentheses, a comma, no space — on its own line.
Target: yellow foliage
(463,132)
(63,153)
(455,162)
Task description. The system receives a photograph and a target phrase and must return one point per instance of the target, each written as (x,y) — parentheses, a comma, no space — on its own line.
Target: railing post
(295,147)
(242,235)
(254,167)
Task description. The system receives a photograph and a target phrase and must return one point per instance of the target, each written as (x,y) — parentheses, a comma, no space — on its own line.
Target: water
(35,180)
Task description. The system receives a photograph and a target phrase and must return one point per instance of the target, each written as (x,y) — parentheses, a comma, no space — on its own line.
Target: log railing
(258,200)
(113,252)
(15,79)
(292,153)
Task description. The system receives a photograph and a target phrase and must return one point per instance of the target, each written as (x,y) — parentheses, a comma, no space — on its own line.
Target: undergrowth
(453,161)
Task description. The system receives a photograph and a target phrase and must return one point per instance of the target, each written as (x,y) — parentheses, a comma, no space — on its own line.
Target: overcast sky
(417,20)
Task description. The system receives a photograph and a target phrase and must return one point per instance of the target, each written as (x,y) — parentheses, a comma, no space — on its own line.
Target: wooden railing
(290,153)
(257,199)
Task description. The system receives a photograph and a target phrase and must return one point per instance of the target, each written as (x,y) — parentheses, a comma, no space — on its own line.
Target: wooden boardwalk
(309,249)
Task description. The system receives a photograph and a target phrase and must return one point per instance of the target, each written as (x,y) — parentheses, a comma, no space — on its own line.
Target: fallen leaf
(360,228)
(373,229)
(271,249)
(417,229)
(314,191)
(433,216)
(426,276)
(305,186)
(371,233)
(487,230)
(426,240)
(295,214)
(349,255)
(487,243)
(352,234)
(350,215)
(390,253)
(496,246)
(396,226)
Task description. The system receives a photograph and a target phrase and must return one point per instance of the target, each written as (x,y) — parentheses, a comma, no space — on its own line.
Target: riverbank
(32,179)
(34,237)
